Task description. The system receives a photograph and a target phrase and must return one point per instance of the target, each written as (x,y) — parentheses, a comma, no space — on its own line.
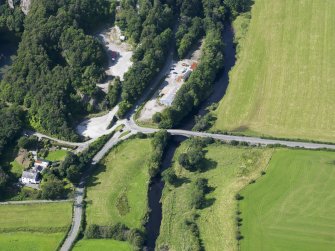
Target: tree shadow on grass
(208,164)
(93,180)
(180,181)
(208,203)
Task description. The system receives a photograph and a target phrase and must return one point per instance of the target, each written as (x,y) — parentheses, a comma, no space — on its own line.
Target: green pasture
(118,190)
(30,241)
(283,82)
(34,226)
(102,245)
(292,207)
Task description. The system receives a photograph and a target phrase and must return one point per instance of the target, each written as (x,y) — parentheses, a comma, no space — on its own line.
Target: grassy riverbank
(227,170)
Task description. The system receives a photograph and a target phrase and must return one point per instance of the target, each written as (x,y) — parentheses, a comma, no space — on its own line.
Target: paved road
(251,140)
(81,146)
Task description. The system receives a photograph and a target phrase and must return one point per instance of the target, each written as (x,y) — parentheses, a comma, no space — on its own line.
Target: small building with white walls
(29,177)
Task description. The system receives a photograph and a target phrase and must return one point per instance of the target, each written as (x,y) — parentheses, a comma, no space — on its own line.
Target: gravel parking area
(176,76)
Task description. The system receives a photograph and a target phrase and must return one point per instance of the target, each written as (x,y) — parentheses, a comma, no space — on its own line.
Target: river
(157,185)
(155,194)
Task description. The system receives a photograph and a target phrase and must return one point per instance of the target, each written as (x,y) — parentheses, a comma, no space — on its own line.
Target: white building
(41,164)
(29,177)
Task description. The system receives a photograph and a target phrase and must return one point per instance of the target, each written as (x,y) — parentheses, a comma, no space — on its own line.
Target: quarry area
(119,54)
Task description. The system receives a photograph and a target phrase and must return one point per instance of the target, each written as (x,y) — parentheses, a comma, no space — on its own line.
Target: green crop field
(57,155)
(118,191)
(102,245)
(283,83)
(292,207)
(34,226)
(229,169)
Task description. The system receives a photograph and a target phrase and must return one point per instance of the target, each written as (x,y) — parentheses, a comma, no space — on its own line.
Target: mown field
(283,81)
(57,155)
(292,207)
(118,190)
(34,226)
(227,169)
(102,245)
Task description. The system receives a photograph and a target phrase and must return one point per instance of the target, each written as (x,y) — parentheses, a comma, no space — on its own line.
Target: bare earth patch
(119,54)
(98,126)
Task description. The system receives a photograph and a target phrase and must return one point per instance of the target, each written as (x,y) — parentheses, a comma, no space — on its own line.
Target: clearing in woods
(283,83)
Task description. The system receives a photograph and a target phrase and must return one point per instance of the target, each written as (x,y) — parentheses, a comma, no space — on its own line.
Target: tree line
(149,25)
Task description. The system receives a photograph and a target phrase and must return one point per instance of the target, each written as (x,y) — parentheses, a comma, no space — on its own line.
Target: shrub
(238,197)
(169,176)
(92,232)
(122,204)
(53,188)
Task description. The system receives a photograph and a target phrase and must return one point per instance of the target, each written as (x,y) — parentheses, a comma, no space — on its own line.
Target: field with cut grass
(283,83)
(34,226)
(227,169)
(118,190)
(102,245)
(57,155)
(30,241)
(292,207)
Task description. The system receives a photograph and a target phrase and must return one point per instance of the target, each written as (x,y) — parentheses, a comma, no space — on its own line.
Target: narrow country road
(76,218)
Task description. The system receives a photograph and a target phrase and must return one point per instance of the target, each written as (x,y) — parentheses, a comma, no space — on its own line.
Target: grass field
(30,241)
(57,155)
(118,191)
(34,226)
(292,207)
(283,81)
(229,169)
(17,168)
(102,245)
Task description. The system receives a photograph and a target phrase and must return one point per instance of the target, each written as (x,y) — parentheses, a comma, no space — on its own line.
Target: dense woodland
(57,63)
